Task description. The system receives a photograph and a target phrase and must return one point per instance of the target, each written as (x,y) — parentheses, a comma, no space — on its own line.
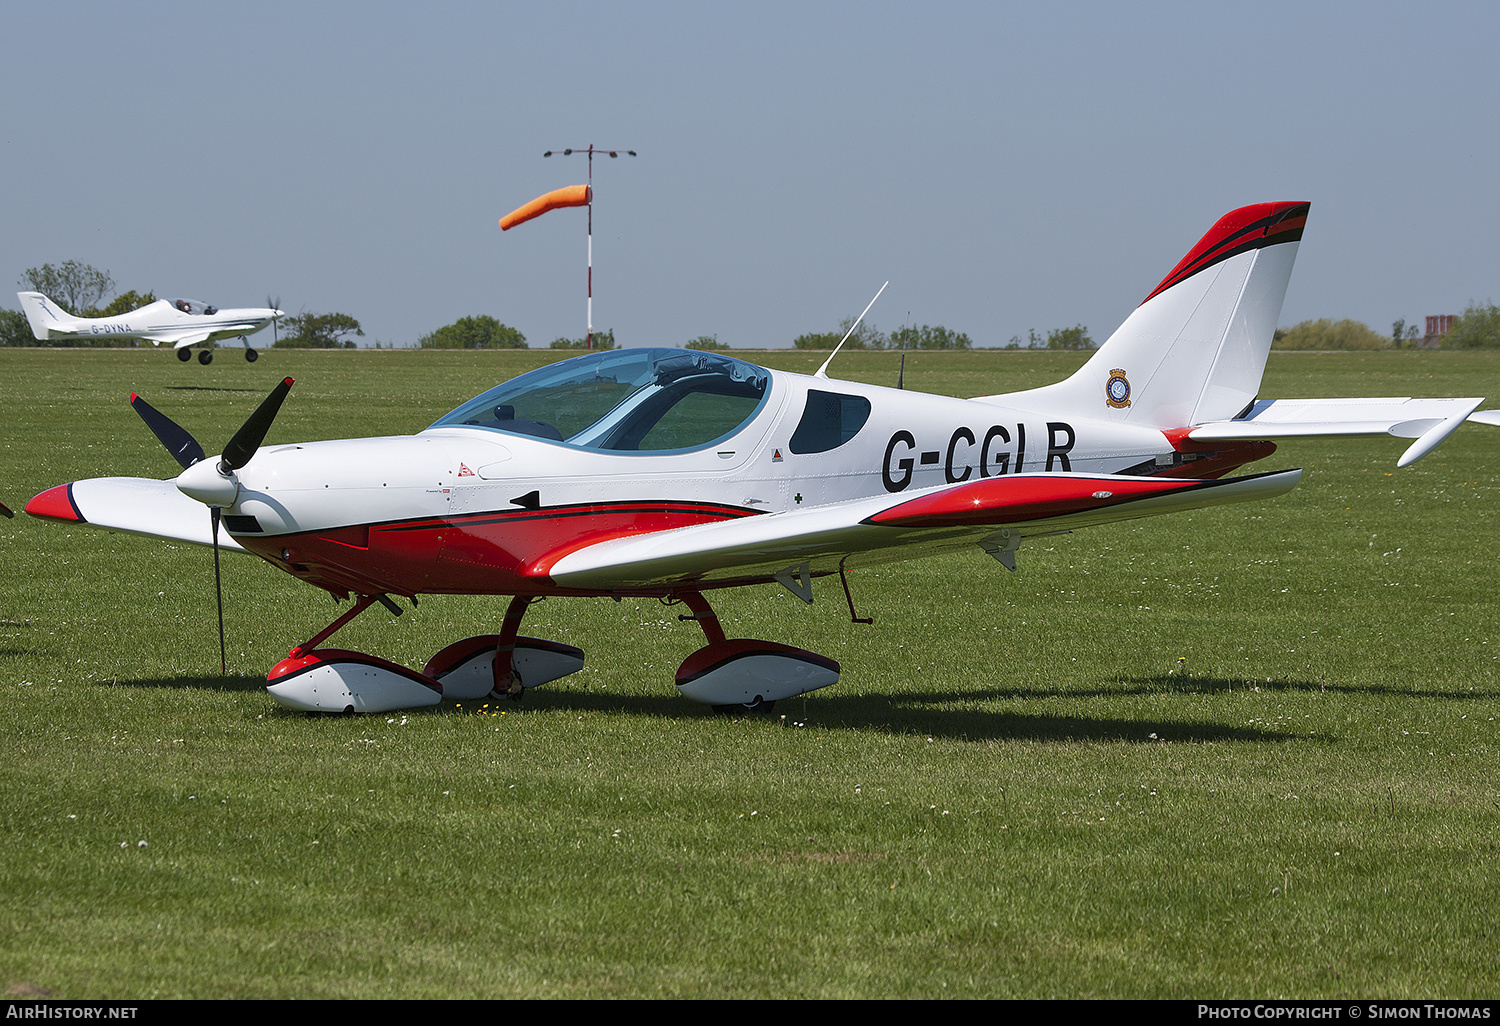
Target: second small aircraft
(182,322)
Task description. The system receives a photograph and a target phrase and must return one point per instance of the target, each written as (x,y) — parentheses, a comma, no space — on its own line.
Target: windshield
(624,400)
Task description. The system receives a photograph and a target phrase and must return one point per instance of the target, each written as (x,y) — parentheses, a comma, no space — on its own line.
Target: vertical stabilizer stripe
(1239,231)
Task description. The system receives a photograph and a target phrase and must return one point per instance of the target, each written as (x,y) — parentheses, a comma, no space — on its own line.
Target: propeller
(275,338)
(214,484)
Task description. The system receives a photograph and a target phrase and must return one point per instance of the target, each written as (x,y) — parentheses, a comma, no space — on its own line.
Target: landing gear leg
(502,665)
(507,680)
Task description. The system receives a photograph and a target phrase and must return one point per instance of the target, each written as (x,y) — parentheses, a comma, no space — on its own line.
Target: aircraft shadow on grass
(949,714)
(1187,685)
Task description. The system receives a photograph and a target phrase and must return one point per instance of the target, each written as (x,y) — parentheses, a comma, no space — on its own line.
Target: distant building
(1438,325)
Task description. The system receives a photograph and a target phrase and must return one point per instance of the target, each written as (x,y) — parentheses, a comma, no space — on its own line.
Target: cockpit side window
(828,421)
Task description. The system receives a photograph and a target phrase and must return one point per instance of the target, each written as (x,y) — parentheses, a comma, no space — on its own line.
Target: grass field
(1242,752)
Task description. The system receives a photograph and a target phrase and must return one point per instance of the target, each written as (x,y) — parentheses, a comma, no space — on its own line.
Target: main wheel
(205,357)
(184,355)
(251,355)
(756,708)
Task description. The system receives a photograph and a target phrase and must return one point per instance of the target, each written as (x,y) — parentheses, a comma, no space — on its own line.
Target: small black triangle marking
(531,500)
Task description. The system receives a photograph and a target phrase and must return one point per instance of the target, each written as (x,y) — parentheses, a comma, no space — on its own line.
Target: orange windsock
(568,196)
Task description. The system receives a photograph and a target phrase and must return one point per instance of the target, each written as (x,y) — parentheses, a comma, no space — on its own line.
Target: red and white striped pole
(591,150)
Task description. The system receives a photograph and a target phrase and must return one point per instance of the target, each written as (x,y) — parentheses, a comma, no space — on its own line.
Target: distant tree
(1030,343)
(707,342)
(912,337)
(818,340)
(481,332)
(866,336)
(124,303)
(318,331)
(1076,337)
(602,340)
(1329,334)
(15,330)
(1402,334)
(73,286)
(1478,327)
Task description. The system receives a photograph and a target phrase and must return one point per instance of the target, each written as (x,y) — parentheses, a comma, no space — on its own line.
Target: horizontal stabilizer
(136,505)
(1429,421)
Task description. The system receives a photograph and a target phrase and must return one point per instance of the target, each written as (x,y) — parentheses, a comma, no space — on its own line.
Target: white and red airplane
(182,322)
(672,473)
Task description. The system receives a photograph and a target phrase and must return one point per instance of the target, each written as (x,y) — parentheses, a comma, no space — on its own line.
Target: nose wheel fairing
(335,680)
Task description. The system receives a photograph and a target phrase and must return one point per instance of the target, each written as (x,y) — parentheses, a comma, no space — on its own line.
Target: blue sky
(1006,167)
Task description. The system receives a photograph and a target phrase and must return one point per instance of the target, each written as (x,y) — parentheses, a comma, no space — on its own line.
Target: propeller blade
(248,438)
(214,514)
(183,446)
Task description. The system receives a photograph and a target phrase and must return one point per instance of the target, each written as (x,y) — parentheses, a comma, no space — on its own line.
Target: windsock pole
(591,150)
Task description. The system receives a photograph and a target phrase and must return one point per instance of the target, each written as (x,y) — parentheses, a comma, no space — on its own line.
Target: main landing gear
(743,674)
(334,680)
(729,674)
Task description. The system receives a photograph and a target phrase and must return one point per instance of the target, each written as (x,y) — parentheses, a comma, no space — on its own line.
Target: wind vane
(569,196)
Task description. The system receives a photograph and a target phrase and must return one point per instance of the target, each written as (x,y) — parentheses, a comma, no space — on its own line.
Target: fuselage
(476,505)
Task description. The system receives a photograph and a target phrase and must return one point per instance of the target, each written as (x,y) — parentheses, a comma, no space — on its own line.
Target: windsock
(568,196)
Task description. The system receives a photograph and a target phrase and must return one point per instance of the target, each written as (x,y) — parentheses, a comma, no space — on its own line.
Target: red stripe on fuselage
(507,552)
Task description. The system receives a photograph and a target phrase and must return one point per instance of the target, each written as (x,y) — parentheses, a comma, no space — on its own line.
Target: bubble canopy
(624,400)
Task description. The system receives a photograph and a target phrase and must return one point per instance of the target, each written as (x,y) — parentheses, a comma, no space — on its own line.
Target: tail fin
(1196,348)
(43,314)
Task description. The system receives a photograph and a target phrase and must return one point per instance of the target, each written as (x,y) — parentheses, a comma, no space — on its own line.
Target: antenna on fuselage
(823,370)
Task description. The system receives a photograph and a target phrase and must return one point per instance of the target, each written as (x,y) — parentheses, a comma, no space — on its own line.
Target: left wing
(995,513)
(181,339)
(1429,421)
(137,505)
